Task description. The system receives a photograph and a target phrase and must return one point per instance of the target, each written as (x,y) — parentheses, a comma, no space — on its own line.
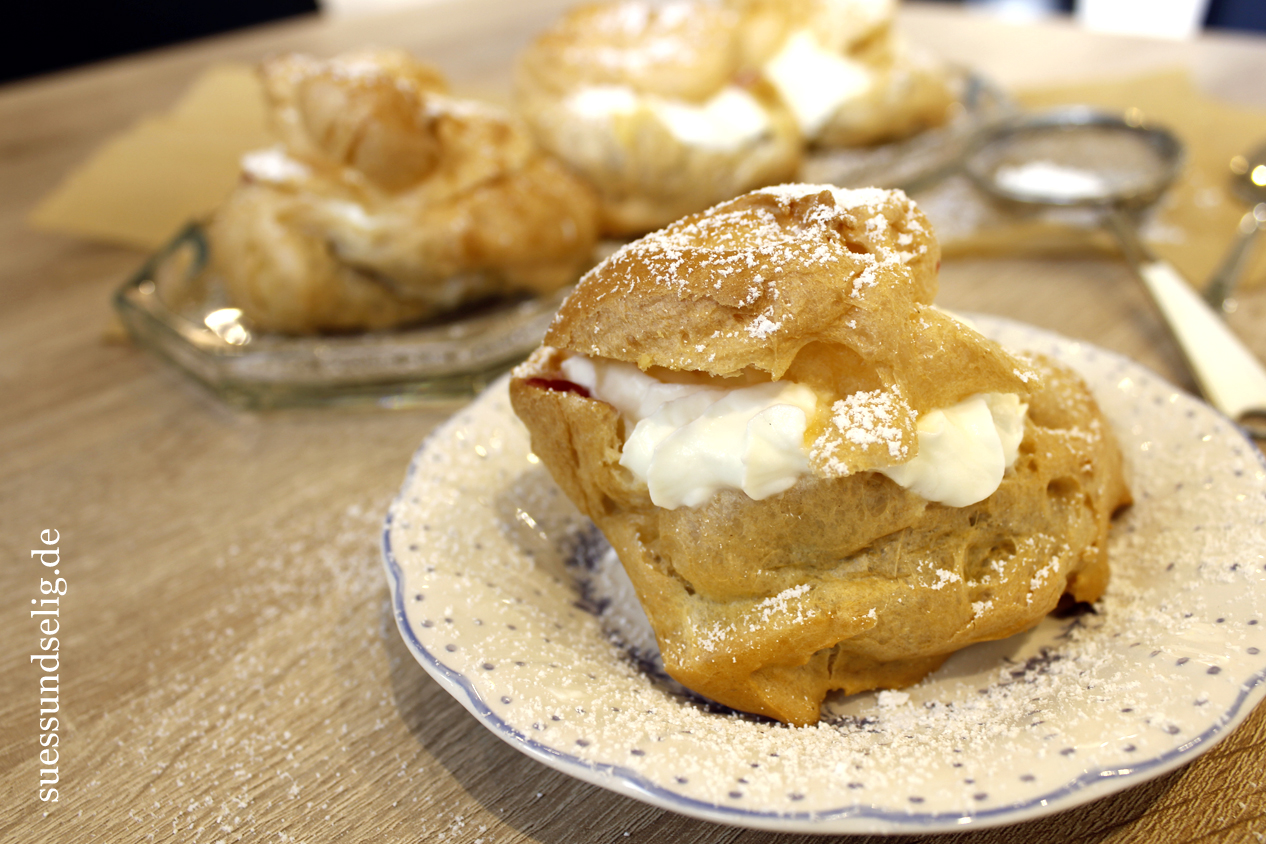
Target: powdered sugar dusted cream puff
(652,103)
(814,478)
(390,201)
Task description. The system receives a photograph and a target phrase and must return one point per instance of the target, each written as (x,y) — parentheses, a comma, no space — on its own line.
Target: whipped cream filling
(274,166)
(694,435)
(690,439)
(964,449)
(815,82)
(731,119)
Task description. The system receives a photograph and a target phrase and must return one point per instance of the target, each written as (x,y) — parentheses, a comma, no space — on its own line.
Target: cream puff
(815,479)
(653,104)
(388,201)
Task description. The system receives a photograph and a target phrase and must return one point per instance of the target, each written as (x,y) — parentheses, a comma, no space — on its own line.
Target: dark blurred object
(42,37)
(1017,9)
(1030,9)
(1220,14)
(1236,14)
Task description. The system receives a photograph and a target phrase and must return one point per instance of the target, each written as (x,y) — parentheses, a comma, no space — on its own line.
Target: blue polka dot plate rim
(515,605)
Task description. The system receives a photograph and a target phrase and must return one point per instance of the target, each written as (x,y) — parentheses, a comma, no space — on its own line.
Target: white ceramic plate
(506,596)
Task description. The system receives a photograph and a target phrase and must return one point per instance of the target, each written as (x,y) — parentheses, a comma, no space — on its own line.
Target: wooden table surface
(229,666)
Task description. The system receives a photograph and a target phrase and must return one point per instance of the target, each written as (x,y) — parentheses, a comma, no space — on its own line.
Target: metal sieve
(1082,158)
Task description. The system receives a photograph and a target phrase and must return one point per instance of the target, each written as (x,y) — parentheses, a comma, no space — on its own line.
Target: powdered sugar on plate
(514,603)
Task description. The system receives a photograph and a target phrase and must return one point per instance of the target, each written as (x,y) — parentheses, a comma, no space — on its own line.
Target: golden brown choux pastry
(283,276)
(390,183)
(849,574)
(652,104)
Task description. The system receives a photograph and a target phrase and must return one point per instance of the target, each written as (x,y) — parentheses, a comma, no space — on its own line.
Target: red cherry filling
(559,385)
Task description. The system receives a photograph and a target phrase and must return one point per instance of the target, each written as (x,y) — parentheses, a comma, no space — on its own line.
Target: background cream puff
(388,200)
(653,104)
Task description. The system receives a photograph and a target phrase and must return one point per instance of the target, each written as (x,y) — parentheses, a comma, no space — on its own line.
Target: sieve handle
(1229,375)
(1222,285)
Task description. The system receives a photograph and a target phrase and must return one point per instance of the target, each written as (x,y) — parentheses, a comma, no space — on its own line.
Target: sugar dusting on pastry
(748,259)
(866,417)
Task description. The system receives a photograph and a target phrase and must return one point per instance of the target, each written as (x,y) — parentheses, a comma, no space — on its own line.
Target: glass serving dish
(171,309)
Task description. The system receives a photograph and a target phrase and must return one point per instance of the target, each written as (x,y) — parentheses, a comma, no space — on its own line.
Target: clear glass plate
(507,597)
(168,309)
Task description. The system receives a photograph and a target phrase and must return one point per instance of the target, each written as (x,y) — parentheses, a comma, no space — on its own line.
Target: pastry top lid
(384,120)
(750,282)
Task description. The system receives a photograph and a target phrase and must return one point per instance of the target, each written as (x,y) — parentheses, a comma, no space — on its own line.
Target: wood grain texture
(230,667)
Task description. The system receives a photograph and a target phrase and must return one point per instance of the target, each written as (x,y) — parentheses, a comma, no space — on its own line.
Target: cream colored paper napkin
(146,183)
